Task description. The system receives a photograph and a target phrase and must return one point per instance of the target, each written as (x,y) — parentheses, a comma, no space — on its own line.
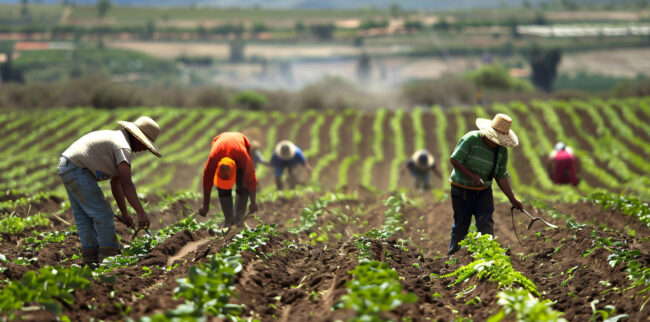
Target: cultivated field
(353,242)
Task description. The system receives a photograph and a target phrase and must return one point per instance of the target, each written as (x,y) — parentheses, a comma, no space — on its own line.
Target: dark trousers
(467,202)
(239,184)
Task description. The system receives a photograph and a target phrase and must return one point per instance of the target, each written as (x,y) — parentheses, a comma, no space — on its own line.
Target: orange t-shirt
(233,145)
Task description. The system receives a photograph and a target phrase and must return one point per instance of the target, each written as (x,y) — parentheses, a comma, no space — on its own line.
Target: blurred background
(313,54)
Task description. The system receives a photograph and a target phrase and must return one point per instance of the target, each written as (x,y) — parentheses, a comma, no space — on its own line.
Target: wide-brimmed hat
(226,174)
(423,154)
(285,150)
(498,130)
(146,130)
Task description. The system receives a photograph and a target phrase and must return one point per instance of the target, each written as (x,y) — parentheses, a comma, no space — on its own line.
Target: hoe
(532,221)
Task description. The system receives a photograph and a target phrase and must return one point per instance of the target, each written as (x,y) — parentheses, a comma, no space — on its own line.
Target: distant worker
(479,157)
(420,165)
(98,156)
(254,134)
(256,154)
(230,163)
(287,155)
(562,165)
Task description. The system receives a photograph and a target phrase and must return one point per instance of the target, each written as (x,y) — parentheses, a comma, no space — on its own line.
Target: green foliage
(393,218)
(525,307)
(374,289)
(46,287)
(309,215)
(544,63)
(629,205)
(208,288)
(251,100)
(490,262)
(497,77)
(14,225)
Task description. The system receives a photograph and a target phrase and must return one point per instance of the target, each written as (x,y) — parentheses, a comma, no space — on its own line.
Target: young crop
(46,287)
(209,286)
(490,262)
(374,289)
(525,307)
(38,240)
(309,215)
(629,205)
(15,225)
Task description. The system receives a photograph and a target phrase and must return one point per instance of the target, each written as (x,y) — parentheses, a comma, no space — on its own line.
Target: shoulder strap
(494,164)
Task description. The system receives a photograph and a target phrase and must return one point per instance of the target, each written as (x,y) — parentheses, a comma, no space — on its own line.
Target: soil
(304,281)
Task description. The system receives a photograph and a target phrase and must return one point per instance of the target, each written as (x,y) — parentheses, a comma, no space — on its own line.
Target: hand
(477,181)
(517,204)
(126,220)
(252,208)
(143,220)
(203,211)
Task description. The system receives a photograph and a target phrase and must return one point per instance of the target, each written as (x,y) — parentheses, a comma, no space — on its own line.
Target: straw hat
(419,155)
(226,174)
(285,150)
(146,130)
(498,130)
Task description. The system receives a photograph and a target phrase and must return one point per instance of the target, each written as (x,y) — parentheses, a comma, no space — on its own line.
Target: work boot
(107,251)
(278,183)
(226,207)
(241,205)
(89,257)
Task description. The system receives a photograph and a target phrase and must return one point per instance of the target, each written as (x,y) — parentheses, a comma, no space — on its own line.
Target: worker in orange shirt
(230,163)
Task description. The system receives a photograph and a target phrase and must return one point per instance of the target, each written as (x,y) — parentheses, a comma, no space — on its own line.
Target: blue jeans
(466,203)
(422,179)
(92,213)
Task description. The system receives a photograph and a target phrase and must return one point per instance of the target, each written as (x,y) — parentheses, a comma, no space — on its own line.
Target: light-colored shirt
(478,157)
(100,152)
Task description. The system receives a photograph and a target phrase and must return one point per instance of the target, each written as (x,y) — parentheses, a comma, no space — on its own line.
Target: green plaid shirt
(478,158)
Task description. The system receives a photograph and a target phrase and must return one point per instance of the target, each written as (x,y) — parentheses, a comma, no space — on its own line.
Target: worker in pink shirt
(562,165)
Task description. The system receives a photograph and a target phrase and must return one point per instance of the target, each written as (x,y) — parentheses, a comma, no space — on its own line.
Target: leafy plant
(525,307)
(374,289)
(46,287)
(490,262)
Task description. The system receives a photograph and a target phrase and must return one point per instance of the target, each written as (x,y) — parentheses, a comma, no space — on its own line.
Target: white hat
(285,150)
(146,130)
(498,130)
(416,157)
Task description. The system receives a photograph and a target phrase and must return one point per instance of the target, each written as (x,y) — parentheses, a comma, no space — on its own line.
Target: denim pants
(422,179)
(467,202)
(92,213)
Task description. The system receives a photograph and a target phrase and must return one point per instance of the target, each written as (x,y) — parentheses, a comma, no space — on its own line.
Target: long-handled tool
(532,221)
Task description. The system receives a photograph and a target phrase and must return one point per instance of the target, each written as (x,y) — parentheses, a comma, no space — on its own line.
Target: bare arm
(476,180)
(118,195)
(206,201)
(253,206)
(436,171)
(504,184)
(124,170)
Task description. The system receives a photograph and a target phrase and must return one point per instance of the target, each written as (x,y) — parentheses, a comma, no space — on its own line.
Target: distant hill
(325,4)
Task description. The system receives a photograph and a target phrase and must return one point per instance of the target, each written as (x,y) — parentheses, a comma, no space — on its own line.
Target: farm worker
(420,164)
(287,155)
(98,156)
(230,163)
(254,134)
(479,157)
(562,164)
(256,154)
